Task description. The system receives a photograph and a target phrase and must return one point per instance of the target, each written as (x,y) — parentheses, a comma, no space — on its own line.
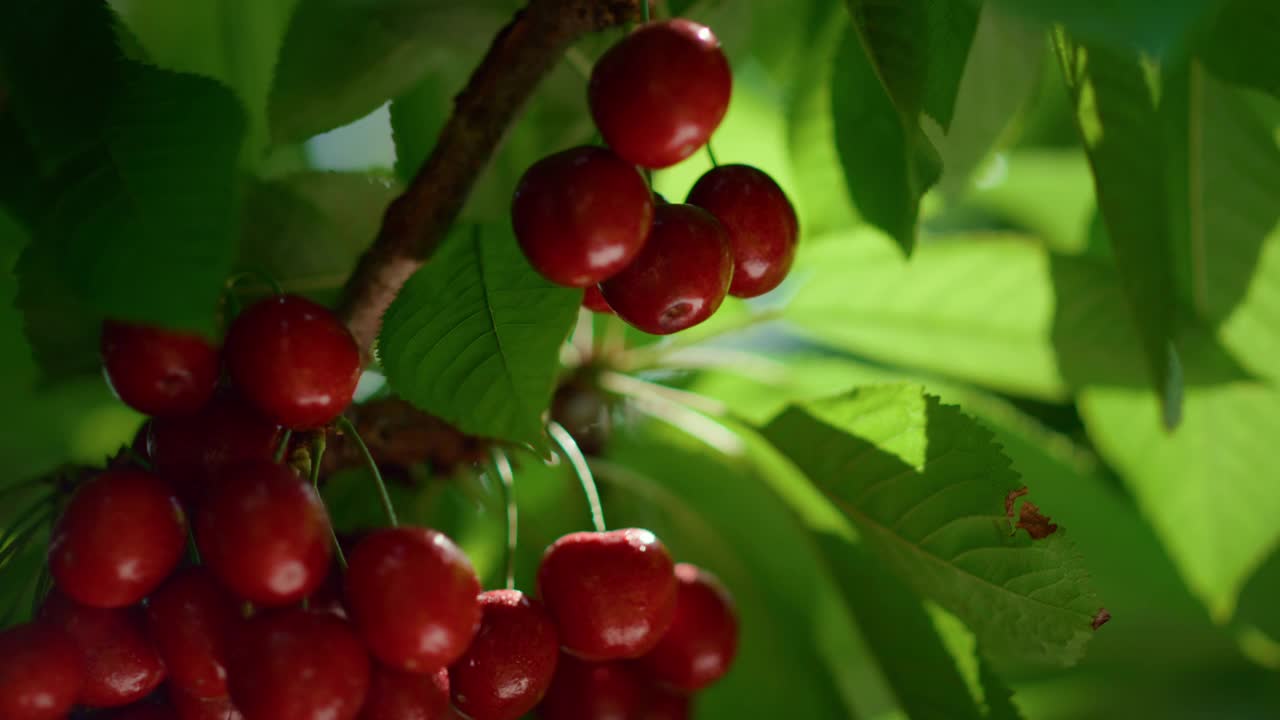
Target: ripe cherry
(189,451)
(659,93)
(702,640)
(680,276)
(293,360)
(190,618)
(295,665)
(264,534)
(398,695)
(592,691)
(760,220)
(412,593)
(581,215)
(122,533)
(156,371)
(509,665)
(612,594)
(593,300)
(41,673)
(121,665)
(190,707)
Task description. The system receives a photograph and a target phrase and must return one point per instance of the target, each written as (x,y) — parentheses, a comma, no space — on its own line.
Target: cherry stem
(283,447)
(502,464)
(350,429)
(712,155)
(574,455)
(318,444)
(644,11)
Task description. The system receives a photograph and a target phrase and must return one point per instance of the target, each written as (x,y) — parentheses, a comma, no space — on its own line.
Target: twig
(416,222)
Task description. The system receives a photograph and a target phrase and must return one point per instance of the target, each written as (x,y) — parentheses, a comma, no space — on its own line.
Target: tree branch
(416,222)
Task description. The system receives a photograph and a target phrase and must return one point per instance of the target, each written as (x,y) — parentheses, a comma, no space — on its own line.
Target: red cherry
(190,707)
(190,618)
(509,665)
(397,695)
(121,665)
(612,594)
(120,535)
(293,360)
(660,704)
(581,215)
(295,665)
(41,673)
(156,371)
(760,220)
(143,711)
(412,593)
(702,640)
(593,300)
(659,93)
(680,276)
(592,691)
(189,451)
(264,533)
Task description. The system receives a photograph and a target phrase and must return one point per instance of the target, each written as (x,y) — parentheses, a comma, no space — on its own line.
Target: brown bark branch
(416,222)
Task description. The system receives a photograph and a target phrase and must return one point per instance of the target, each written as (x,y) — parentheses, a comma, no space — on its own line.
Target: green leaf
(141,210)
(235,42)
(1231,260)
(927,486)
(1154,26)
(341,60)
(1048,192)
(930,313)
(907,645)
(888,162)
(1117,113)
(308,229)
(1001,70)
(1235,44)
(1215,471)
(474,337)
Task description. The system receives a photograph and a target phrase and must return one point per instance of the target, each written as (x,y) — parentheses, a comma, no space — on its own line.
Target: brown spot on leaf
(1100,618)
(1034,522)
(1011,497)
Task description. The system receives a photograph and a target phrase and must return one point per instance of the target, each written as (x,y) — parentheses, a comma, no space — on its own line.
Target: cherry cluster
(203,580)
(585,217)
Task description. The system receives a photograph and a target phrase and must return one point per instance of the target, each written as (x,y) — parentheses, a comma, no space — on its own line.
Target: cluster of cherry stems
(264,617)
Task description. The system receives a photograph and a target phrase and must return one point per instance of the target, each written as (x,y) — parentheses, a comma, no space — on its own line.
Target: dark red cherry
(189,451)
(122,533)
(760,220)
(293,360)
(295,665)
(264,533)
(700,644)
(190,618)
(509,665)
(121,665)
(612,594)
(413,594)
(41,673)
(398,695)
(580,215)
(592,691)
(662,704)
(680,276)
(594,301)
(143,711)
(190,707)
(659,93)
(156,371)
